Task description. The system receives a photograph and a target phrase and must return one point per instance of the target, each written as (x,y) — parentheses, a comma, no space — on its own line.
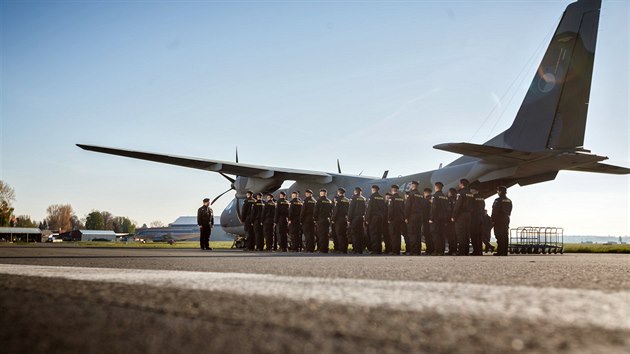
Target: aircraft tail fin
(553,113)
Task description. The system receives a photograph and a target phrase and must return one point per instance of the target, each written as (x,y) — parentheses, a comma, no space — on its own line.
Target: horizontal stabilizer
(599,167)
(490,153)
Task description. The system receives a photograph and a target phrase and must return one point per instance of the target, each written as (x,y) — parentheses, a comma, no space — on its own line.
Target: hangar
(20,234)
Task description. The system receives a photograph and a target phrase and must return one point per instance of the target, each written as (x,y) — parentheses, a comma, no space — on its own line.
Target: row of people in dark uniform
(458,218)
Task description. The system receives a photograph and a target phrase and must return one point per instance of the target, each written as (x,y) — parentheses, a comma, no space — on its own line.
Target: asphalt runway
(114,300)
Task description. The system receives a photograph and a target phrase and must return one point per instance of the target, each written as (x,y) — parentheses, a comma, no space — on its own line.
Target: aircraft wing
(231,168)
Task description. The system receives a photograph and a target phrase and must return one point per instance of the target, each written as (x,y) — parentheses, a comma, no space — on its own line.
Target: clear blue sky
(293,84)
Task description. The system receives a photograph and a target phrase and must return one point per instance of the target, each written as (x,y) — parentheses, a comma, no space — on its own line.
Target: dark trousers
(283,229)
(341,236)
(462,229)
(204,237)
(250,240)
(268,233)
(437,235)
(395,229)
(387,240)
(475,237)
(258,232)
(414,227)
(451,237)
(376,234)
(502,233)
(405,236)
(295,232)
(323,228)
(428,238)
(357,233)
(333,236)
(426,233)
(308,227)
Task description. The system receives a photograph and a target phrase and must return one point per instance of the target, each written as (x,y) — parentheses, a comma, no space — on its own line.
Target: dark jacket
(295,209)
(205,217)
(257,212)
(282,210)
(323,209)
(413,204)
(357,207)
(439,208)
(306,214)
(464,203)
(246,214)
(479,205)
(396,208)
(376,207)
(501,210)
(426,208)
(269,211)
(340,211)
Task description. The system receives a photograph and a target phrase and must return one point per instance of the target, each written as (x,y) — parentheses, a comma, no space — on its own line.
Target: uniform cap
(308,191)
(415,183)
(474,186)
(323,190)
(259,194)
(358,189)
(464,181)
(250,192)
(388,194)
(394,186)
(439,184)
(428,190)
(502,189)
(341,190)
(283,193)
(376,187)
(205,200)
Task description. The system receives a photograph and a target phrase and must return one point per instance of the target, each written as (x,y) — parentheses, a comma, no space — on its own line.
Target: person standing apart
(205,220)
(501,211)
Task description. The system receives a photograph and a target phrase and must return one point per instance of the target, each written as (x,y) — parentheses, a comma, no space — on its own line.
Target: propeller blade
(220,195)
(338,166)
(232,180)
(237,154)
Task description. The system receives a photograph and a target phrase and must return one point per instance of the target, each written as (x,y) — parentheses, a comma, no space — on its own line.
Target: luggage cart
(536,239)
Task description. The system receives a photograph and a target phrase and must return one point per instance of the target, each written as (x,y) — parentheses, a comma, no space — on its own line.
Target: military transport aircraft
(546,136)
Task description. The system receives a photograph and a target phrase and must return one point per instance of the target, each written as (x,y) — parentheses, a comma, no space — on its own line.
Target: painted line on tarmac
(570,307)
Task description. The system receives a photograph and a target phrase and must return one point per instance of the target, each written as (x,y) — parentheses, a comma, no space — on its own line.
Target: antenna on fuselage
(338,167)
(385,174)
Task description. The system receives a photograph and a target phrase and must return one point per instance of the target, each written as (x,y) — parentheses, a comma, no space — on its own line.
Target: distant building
(20,234)
(88,235)
(184,228)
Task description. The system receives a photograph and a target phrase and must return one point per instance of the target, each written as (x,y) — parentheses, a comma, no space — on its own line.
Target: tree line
(61,217)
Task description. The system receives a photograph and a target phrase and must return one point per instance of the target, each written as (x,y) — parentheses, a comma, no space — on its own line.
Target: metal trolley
(536,239)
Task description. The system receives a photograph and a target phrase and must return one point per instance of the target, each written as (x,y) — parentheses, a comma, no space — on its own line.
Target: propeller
(220,195)
(338,166)
(232,180)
